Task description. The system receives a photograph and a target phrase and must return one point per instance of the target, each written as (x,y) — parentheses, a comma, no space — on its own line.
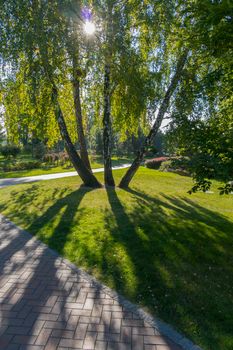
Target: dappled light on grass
(165,250)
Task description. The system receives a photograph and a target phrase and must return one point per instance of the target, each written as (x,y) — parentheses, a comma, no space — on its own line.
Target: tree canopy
(145,60)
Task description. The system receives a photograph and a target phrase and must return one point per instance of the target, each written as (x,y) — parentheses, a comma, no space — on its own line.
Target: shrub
(165,166)
(56,158)
(178,165)
(182,163)
(10,151)
(22,166)
(155,163)
(151,151)
(39,150)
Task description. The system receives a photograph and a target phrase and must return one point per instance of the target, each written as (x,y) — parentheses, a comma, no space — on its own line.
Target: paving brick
(126,334)
(62,333)
(17,330)
(44,309)
(171,346)
(120,314)
(132,323)
(31,347)
(101,345)
(112,308)
(80,332)
(85,319)
(47,317)
(73,306)
(24,339)
(52,343)
(108,337)
(96,327)
(155,339)
(43,336)
(54,325)
(137,342)
(150,347)
(37,326)
(89,341)
(5,340)
(71,343)
(51,301)
(79,312)
(89,303)
(8,321)
(143,330)
(12,347)
(106,318)
(168,347)
(118,346)
(30,319)
(97,310)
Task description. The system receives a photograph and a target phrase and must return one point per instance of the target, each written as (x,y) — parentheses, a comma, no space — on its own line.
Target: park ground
(46,168)
(166,250)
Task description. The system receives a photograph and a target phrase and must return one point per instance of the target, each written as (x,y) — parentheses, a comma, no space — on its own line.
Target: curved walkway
(21,180)
(46,303)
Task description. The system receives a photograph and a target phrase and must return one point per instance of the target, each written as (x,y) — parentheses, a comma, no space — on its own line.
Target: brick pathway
(46,304)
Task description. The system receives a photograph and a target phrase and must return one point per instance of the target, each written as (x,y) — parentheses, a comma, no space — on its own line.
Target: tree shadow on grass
(42,301)
(169,254)
(180,256)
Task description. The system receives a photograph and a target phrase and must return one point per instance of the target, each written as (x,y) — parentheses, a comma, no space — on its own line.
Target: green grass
(160,247)
(96,162)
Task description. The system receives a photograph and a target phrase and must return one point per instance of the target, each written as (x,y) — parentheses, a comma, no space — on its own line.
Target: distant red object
(155,163)
(158,159)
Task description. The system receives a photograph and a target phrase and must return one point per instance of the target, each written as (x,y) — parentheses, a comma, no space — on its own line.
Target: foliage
(202,119)
(10,150)
(39,150)
(18,166)
(210,159)
(177,165)
(141,42)
(155,163)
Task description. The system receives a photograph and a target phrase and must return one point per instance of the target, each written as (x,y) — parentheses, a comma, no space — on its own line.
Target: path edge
(159,325)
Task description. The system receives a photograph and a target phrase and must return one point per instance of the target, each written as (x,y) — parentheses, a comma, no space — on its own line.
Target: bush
(39,150)
(10,151)
(155,163)
(22,166)
(56,158)
(152,151)
(178,165)
(166,166)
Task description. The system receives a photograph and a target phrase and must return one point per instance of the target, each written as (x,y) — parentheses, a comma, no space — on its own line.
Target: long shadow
(35,300)
(37,305)
(177,250)
(167,253)
(28,297)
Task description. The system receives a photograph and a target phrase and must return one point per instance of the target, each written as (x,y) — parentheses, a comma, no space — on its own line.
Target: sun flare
(89,28)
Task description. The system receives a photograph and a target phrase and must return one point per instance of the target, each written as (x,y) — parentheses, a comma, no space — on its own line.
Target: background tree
(202,119)
(37,34)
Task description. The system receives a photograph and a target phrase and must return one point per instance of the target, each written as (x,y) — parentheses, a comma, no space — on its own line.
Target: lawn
(160,247)
(96,162)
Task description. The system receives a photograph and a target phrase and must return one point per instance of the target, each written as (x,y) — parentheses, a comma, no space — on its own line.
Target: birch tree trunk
(107,124)
(79,116)
(86,175)
(125,181)
(107,129)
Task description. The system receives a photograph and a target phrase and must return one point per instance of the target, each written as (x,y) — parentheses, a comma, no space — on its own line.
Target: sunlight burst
(89,28)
